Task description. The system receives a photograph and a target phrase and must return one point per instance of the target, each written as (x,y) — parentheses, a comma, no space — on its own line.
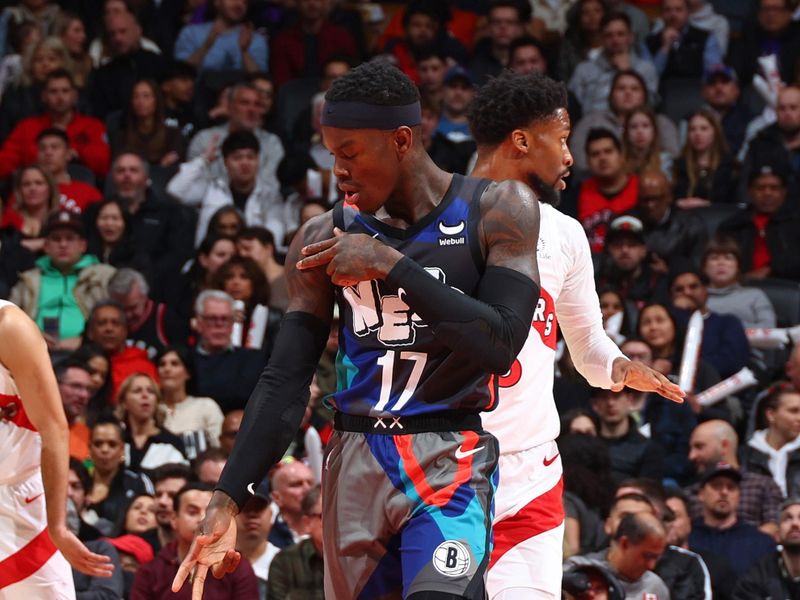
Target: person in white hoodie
(196,185)
(775,450)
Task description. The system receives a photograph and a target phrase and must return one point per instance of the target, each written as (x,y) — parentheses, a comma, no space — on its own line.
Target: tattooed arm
(488,329)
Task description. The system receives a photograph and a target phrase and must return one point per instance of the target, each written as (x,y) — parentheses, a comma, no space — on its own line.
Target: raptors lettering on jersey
(545,324)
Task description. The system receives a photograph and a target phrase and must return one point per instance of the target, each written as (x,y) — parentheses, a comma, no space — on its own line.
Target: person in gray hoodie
(722,260)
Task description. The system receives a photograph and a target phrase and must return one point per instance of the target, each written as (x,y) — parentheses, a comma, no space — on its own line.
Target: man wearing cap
(61,289)
(720,531)
(777,575)
(459,89)
(767,232)
(721,93)
(625,266)
(716,441)
(253,525)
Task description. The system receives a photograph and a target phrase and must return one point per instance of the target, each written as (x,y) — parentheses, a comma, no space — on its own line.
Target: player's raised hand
(212,548)
(350,257)
(79,556)
(638,376)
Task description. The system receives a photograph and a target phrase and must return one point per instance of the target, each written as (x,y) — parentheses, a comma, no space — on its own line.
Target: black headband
(360,115)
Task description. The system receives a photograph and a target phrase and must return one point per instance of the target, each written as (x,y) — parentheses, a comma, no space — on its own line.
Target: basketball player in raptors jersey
(521,126)
(34,539)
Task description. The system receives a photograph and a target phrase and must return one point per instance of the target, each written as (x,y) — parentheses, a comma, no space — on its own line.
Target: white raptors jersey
(20,443)
(526,414)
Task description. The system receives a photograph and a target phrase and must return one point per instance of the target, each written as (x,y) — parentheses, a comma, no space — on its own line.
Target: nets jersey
(389,362)
(527,414)
(20,443)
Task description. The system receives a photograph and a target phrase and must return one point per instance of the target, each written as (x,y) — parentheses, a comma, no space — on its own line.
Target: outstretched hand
(212,548)
(350,258)
(638,376)
(79,556)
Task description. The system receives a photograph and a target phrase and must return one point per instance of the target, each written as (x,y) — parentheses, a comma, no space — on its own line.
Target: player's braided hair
(512,101)
(374,83)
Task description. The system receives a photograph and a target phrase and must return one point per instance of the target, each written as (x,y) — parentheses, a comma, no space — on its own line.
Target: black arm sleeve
(489,329)
(276,406)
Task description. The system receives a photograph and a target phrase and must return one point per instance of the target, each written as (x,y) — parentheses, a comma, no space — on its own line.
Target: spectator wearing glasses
(224,373)
(75,387)
(298,569)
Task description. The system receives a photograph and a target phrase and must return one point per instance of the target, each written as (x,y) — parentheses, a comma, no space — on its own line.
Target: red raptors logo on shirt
(544,319)
(545,323)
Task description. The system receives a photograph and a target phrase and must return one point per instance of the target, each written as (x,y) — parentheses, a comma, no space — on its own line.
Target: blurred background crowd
(156,157)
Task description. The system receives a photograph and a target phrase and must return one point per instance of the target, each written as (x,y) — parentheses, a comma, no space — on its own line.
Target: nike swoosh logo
(452,229)
(250,488)
(549,461)
(32,498)
(465,453)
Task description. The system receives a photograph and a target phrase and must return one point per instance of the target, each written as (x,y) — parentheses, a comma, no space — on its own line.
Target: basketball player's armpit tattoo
(510,226)
(277,405)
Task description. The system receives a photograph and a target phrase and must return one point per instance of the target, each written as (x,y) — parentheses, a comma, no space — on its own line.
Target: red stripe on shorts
(416,473)
(25,562)
(20,419)
(541,514)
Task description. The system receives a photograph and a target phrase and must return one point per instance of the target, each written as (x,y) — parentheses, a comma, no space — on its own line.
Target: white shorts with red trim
(529,523)
(30,565)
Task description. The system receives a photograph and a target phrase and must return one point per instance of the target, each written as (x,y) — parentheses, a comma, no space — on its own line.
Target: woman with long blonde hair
(704,173)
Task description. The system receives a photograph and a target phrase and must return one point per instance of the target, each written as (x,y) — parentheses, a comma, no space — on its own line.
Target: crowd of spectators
(157,157)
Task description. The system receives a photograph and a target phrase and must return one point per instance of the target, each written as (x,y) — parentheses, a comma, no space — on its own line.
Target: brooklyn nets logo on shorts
(451,558)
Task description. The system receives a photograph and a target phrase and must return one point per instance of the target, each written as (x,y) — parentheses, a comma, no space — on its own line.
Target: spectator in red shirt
(86,135)
(301,50)
(53,155)
(610,191)
(107,327)
(154,580)
(768,232)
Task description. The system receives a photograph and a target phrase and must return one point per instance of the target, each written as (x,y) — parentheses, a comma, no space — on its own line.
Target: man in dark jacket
(679,50)
(777,575)
(671,234)
(720,530)
(110,85)
(774,32)
(768,231)
(779,143)
(632,454)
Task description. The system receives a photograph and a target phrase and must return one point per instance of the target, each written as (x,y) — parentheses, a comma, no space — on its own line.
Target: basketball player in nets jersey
(521,126)
(34,539)
(436,281)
